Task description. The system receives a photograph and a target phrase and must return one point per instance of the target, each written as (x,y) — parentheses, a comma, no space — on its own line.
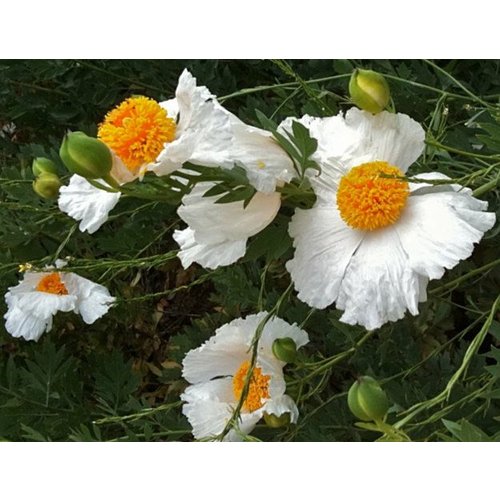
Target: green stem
(486,187)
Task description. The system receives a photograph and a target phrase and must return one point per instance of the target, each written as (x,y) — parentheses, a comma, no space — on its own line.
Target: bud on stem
(367,400)
(369,90)
(86,156)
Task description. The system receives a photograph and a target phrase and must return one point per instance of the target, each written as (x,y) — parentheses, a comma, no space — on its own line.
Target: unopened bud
(274,421)
(285,349)
(367,400)
(369,90)
(47,185)
(41,165)
(86,156)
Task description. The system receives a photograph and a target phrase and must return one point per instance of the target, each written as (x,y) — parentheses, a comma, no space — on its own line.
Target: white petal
(21,323)
(266,163)
(86,203)
(323,248)
(203,133)
(219,390)
(277,328)
(219,222)
(360,137)
(223,353)
(210,405)
(207,418)
(210,256)
(379,285)
(280,405)
(439,228)
(93,300)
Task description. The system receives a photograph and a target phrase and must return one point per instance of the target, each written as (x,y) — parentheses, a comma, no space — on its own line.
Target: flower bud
(41,165)
(285,349)
(47,185)
(274,421)
(369,90)
(367,400)
(86,156)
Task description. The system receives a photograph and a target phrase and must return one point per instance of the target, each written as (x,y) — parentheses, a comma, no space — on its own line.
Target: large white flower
(40,295)
(145,135)
(218,232)
(217,371)
(371,242)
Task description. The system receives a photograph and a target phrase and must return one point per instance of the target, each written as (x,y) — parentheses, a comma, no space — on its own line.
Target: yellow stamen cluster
(137,130)
(51,283)
(257,390)
(372,196)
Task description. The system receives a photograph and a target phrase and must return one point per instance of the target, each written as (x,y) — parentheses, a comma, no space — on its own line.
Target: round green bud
(369,90)
(275,422)
(367,400)
(47,185)
(285,349)
(41,165)
(86,156)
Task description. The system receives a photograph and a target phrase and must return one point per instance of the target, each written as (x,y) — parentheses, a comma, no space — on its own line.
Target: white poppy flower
(217,373)
(218,232)
(34,301)
(371,243)
(145,135)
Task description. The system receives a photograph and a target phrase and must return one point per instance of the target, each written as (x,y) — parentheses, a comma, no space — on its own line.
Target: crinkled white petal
(24,324)
(438,229)
(86,203)
(280,405)
(93,300)
(324,246)
(378,285)
(266,163)
(210,405)
(203,133)
(359,137)
(218,222)
(208,255)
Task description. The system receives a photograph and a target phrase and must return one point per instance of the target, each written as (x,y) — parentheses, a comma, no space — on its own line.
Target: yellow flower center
(257,390)
(367,199)
(137,130)
(51,283)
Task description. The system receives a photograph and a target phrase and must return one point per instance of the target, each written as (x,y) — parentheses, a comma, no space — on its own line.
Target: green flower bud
(285,349)
(367,400)
(47,185)
(369,90)
(43,165)
(274,421)
(86,156)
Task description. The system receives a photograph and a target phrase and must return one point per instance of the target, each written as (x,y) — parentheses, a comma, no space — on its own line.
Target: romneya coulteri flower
(217,372)
(372,241)
(40,295)
(217,233)
(143,135)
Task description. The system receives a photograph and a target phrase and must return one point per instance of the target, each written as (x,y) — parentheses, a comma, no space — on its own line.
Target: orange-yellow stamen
(257,390)
(137,130)
(368,199)
(51,283)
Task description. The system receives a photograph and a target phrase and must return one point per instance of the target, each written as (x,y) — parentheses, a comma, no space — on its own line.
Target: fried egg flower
(217,372)
(143,135)
(40,295)
(218,232)
(372,241)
